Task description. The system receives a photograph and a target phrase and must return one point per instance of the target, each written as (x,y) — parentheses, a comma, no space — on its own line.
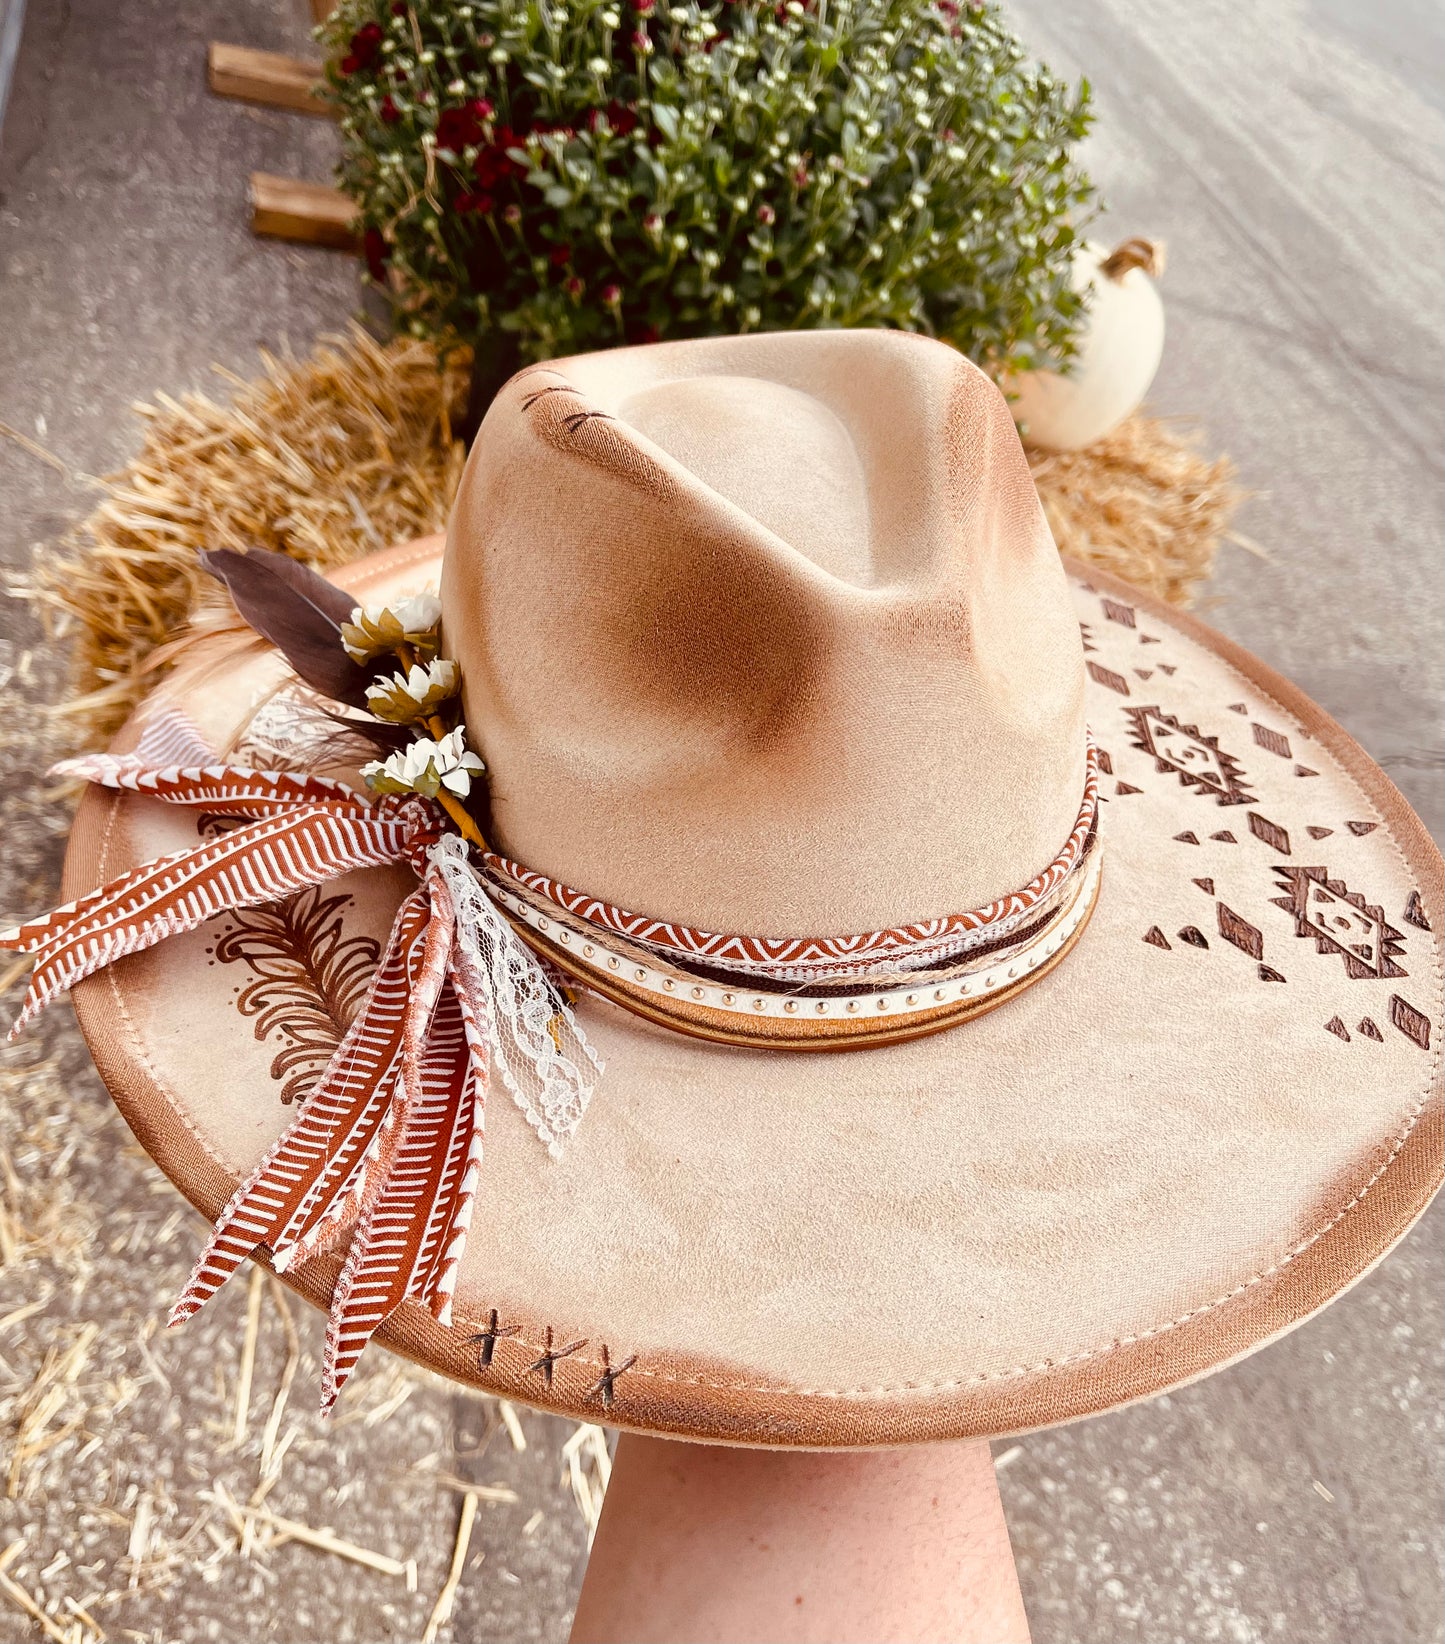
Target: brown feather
(299,611)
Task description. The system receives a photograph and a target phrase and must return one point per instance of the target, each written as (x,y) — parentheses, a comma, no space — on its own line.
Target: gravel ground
(1286,156)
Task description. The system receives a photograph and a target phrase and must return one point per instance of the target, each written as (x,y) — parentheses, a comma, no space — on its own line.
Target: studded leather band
(693,984)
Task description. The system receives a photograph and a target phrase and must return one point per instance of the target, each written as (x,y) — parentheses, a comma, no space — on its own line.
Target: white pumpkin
(1119,348)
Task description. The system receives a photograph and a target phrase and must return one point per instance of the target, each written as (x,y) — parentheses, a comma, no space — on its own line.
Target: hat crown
(766,634)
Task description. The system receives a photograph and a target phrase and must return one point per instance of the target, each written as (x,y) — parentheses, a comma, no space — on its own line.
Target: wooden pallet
(265,77)
(285,208)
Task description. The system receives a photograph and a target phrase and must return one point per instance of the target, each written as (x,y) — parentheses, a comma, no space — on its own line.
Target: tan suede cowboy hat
(1004,997)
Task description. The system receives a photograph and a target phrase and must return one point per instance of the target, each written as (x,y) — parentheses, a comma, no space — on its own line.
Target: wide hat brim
(1219,1112)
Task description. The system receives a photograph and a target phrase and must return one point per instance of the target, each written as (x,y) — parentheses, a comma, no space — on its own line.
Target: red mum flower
(363,48)
(481,203)
(373,243)
(493,166)
(458,127)
(561,254)
(389,112)
(574,287)
(611,295)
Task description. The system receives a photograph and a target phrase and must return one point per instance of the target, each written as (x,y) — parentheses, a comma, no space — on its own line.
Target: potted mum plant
(540,177)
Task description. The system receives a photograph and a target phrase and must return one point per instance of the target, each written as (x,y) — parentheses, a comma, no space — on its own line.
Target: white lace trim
(539,1048)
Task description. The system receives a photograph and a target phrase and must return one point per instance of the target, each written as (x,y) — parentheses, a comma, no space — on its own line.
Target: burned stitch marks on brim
(605,1387)
(545,1358)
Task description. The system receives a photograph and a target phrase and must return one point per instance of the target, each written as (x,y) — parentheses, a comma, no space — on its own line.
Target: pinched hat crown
(738,617)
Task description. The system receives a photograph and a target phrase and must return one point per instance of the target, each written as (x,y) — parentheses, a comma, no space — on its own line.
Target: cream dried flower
(376,629)
(415,692)
(426,767)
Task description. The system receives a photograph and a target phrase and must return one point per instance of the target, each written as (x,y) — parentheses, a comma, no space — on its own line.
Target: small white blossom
(413,694)
(376,629)
(425,767)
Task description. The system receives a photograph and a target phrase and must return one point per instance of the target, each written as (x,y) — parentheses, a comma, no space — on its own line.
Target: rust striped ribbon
(387,1145)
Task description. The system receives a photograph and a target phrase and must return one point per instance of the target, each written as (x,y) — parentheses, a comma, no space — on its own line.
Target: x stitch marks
(1197,760)
(605,1385)
(542,393)
(486,1340)
(549,1356)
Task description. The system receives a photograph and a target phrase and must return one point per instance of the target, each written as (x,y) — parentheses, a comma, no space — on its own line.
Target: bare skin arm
(702,1544)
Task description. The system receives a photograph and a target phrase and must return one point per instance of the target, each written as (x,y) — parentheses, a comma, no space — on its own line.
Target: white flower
(376,629)
(413,694)
(425,767)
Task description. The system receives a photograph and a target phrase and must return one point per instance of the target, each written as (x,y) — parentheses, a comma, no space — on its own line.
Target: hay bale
(1143,503)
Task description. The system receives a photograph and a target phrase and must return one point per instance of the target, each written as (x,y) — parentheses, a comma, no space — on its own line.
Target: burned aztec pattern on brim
(1220,1111)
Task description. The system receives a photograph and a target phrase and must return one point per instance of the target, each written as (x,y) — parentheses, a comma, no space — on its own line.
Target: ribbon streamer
(387,1146)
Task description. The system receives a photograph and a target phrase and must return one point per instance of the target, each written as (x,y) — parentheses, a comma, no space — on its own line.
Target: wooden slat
(265,77)
(288,209)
